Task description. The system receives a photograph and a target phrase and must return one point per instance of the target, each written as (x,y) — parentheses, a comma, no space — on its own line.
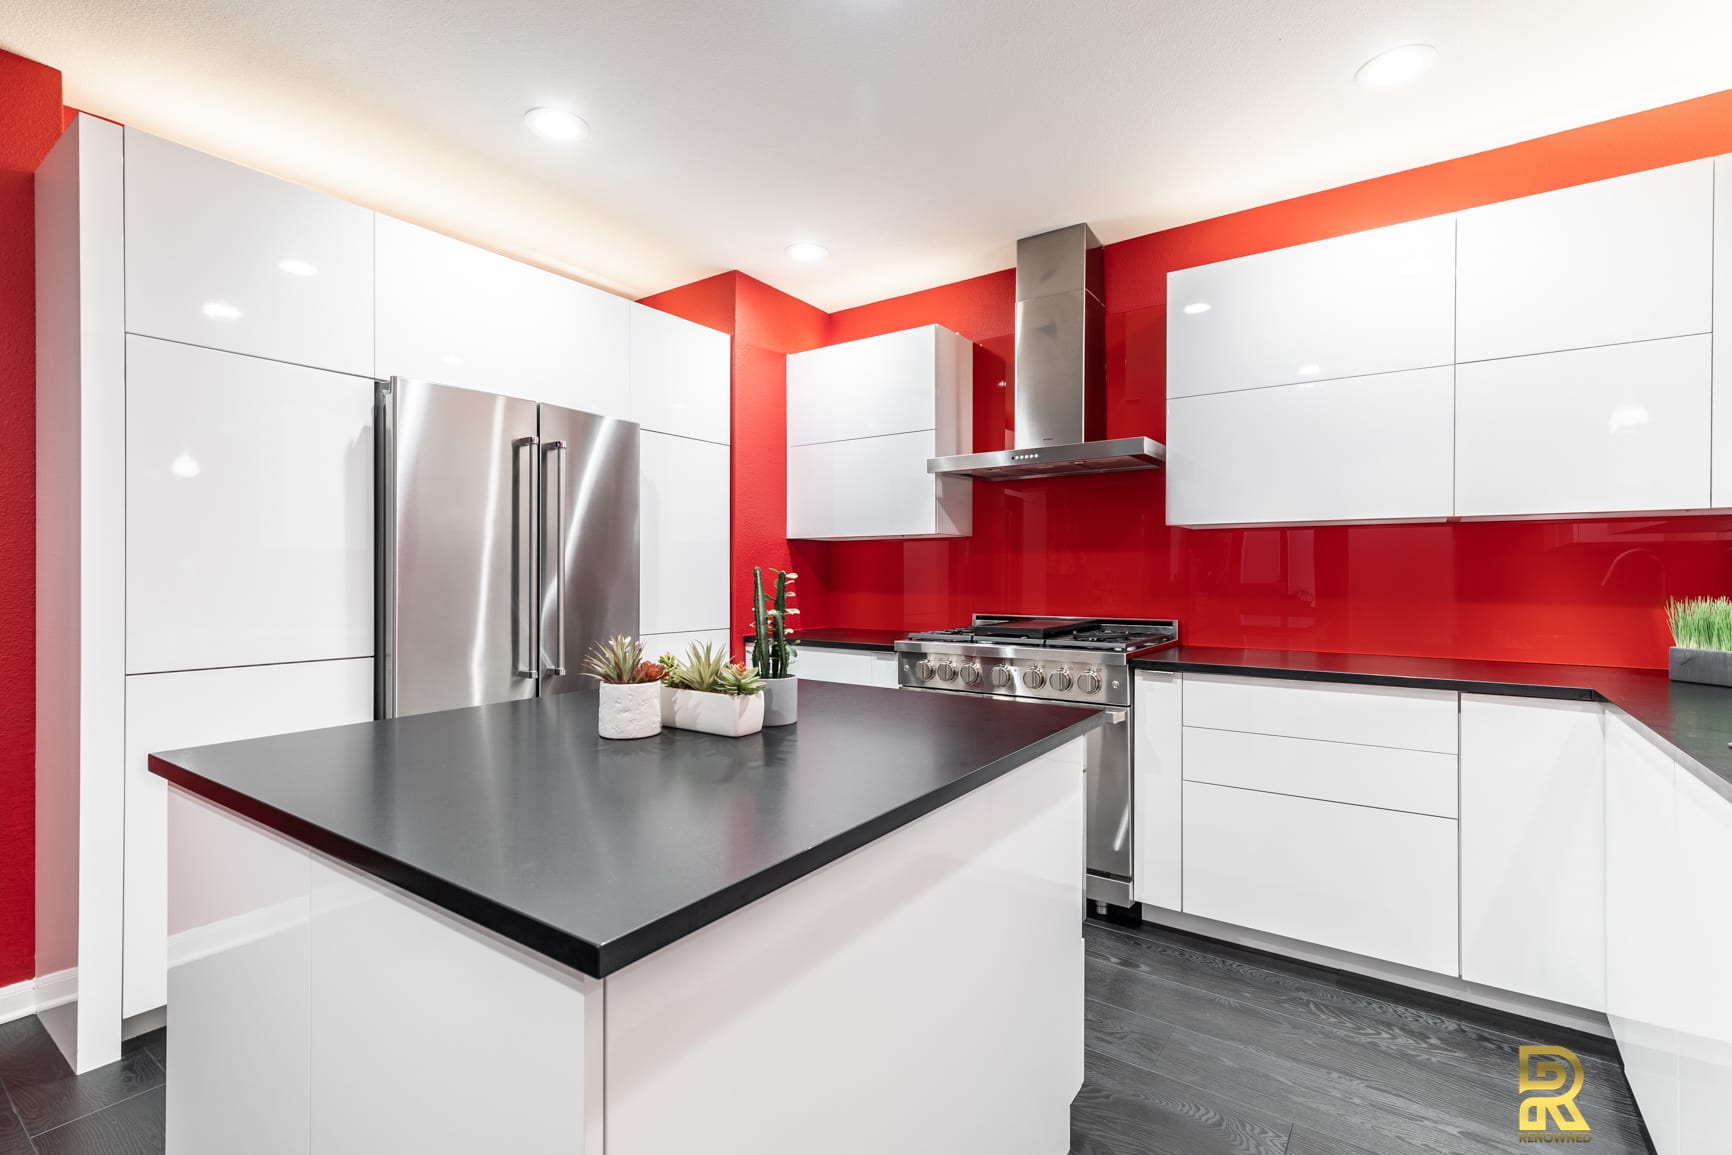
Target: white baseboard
(1576,1018)
(56,989)
(17,1000)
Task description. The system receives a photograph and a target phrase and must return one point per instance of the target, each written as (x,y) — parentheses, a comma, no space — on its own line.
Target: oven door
(1110,810)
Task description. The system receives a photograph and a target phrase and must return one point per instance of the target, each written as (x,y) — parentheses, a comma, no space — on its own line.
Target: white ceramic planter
(781,701)
(631,711)
(726,714)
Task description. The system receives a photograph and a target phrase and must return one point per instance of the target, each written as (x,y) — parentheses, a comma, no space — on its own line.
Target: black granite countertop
(1694,721)
(520,818)
(841,638)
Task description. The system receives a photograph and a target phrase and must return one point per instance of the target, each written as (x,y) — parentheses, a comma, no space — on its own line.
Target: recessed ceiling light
(807,251)
(296,267)
(184,465)
(1310,370)
(555,124)
(1196,307)
(1397,66)
(221,311)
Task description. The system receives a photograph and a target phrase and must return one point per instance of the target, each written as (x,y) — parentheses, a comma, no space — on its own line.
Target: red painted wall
(1584,592)
(30,121)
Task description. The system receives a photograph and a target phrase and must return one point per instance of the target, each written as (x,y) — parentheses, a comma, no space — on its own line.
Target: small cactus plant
(772,651)
(620,662)
(740,680)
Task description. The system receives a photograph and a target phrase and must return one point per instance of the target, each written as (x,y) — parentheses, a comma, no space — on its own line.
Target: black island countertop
(595,853)
(1694,721)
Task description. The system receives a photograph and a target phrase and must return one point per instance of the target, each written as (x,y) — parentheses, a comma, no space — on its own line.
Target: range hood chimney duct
(1060,370)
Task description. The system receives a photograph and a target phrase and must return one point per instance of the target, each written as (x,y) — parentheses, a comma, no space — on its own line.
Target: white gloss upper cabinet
(249,496)
(1370,302)
(1619,428)
(222,256)
(683,529)
(899,382)
(460,315)
(1722,466)
(1373,448)
(681,376)
(1533,776)
(874,487)
(1644,924)
(1618,260)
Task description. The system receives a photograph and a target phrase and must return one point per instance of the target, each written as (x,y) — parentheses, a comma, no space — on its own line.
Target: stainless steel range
(1083,661)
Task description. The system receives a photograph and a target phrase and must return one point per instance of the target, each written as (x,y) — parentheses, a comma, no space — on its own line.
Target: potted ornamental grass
(1701,640)
(706,690)
(631,702)
(772,651)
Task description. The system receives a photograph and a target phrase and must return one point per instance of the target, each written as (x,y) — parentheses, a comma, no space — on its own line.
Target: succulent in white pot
(707,691)
(631,689)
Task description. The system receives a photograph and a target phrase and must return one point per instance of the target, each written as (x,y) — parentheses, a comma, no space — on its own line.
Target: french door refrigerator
(507,545)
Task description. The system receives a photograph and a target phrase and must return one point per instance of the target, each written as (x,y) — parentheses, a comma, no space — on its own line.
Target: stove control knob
(1088,683)
(947,671)
(1059,680)
(923,670)
(971,675)
(1001,676)
(1033,679)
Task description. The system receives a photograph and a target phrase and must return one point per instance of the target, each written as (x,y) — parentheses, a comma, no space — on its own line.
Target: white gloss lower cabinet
(197,708)
(1373,448)
(1615,429)
(249,487)
(1644,925)
(460,315)
(1373,882)
(1533,823)
(681,376)
(1704,943)
(1157,790)
(853,667)
(874,487)
(683,534)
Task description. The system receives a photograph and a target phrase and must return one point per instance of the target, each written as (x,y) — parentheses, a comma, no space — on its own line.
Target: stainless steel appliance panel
(589,540)
(457,494)
(1109,797)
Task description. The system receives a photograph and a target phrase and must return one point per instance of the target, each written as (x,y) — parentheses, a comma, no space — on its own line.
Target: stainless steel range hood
(1060,371)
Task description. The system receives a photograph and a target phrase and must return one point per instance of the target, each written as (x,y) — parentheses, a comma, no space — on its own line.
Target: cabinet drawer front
(1625,427)
(854,667)
(1366,449)
(1366,715)
(1419,781)
(1374,882)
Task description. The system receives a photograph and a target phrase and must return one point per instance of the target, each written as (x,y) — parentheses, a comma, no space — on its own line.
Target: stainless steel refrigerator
(507,545)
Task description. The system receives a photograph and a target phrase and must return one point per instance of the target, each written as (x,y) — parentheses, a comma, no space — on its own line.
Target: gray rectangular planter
(1709,667)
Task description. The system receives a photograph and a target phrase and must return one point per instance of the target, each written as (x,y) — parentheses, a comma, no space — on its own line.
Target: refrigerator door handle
(525,589)
(553,502)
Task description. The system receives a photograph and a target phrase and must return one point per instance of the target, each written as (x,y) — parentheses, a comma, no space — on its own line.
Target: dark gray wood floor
(1197,1047)
(1194,1047)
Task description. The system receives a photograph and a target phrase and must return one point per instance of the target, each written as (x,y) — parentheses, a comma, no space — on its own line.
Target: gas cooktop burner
(1057,633)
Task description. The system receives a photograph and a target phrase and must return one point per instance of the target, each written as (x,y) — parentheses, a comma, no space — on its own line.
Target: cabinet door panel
(1722,470)
(1366,449)
(1642,924)
(1417,781)
(1533,779)
(1617,260)
(197,708)
(459,315)
(873,487)
(894,383)
(1157,790)
(683,520)
(222,256)
(249,510)
(854,667)
(1608,430)
(1298,867)
(681,376)
(1371,302)
(1705,942)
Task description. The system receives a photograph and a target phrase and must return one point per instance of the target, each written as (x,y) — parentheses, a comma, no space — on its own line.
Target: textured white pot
(631,711)
(726,714)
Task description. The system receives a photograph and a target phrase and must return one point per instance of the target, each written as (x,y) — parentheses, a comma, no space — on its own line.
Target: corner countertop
(842,638)
(1693,721)
(520,818)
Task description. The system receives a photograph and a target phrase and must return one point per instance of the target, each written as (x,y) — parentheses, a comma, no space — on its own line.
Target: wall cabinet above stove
(863,418)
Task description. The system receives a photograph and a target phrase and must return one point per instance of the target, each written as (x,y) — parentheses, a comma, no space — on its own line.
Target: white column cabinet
(863,419)
(683,533)
(1722,465)
(1157,790)
(1372,302)
(1643,924)
(1627,259)
(221,256)
(681,376)
(1704,943)
(1533,823)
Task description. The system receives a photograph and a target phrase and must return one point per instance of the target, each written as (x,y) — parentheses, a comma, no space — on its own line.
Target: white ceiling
(917,139)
